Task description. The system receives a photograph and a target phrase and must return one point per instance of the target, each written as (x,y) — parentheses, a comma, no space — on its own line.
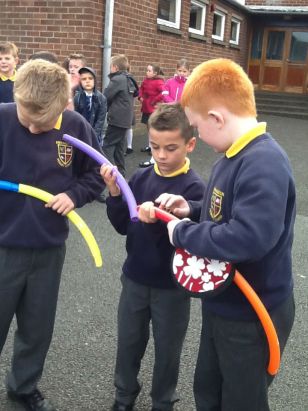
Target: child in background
(120,94)
(8,63)
(246,217)
(90,102)
(74,63)
(44,55)
(148,291)
(173,87)
(150,94)
(33,234)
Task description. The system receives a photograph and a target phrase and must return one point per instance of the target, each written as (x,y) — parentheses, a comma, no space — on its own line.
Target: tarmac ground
(78,373)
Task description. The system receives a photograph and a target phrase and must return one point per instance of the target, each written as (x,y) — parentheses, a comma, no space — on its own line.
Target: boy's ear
(191,144)
(218,117)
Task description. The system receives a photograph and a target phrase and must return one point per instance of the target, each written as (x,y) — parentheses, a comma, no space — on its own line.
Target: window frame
(203,17)
(222,35)
(238,23)
(177,22)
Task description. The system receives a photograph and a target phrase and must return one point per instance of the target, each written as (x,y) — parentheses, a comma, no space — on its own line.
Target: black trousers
(29,284)
(114,145)
(231,371)
(168,312)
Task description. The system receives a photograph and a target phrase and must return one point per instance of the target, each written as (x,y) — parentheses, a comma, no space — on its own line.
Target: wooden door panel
(271,77)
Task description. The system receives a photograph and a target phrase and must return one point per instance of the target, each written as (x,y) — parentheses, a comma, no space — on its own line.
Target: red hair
(219,82)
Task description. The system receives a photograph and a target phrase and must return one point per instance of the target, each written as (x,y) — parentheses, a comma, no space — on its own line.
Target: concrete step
(284,113)
(282,104)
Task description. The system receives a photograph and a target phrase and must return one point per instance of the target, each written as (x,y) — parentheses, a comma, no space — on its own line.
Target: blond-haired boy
(246,217)
(148,292)
(8,63)
(32,236)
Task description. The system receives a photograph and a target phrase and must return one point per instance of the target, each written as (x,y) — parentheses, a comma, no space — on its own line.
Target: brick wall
(77,26)
(137,35)
(293,3)
(62,27)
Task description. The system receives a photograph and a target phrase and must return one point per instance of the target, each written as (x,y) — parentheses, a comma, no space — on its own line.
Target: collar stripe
(182,170)
(245,139)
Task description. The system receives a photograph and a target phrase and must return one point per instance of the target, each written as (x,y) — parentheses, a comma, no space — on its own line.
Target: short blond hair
(9,48)
(120,61)
(219,82)
(42,88)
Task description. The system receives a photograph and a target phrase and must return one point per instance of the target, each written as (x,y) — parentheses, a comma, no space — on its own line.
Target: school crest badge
(65,154)
(216,204)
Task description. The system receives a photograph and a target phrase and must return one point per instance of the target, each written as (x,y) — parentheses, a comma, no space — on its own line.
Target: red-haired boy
(246,217)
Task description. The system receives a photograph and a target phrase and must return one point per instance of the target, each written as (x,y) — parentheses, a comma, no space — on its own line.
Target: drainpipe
(109,7)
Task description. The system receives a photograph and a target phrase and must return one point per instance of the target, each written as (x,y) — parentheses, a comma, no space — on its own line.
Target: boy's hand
(110,177)
(61,203)
(174,204)
(146,212)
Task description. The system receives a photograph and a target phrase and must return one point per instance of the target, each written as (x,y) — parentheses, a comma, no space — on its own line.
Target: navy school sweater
(149,251)
(6,91)
(247,217)
(45,161)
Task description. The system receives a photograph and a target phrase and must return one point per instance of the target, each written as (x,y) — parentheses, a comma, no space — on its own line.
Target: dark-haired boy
(90,102)
(148,292)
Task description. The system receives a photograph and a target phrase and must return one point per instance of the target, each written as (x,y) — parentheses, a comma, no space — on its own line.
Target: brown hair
(77,56)
(183,63)
(42,88)
(120,61)
(169,117)
(219,82)
(7,47)
(44,55)
(157,69)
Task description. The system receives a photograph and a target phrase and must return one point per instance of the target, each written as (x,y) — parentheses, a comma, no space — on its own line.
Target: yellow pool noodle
(74,218)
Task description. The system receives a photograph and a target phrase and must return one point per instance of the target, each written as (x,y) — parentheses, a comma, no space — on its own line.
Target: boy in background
(8,63)
(90,102)
(148,291)
(120,94)
(247,218)
(32,236)
(73,64)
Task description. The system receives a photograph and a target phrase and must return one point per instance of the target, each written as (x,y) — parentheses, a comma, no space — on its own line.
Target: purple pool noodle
(91,152)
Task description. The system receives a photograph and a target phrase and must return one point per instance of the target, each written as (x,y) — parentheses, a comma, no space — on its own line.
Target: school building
(269,38)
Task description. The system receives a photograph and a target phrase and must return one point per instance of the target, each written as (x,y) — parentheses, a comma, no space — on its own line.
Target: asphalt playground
(78,373)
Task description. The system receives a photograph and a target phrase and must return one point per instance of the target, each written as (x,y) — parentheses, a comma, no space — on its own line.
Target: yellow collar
(182,170)
(245,139)
(58,123)
(12,77)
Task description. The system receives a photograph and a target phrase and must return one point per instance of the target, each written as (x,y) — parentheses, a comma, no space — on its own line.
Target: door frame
(256,67)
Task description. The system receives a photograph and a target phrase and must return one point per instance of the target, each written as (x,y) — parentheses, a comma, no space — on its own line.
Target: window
(169,13)
(256,44)
(218,25)
(235,31)
(299,46)
(197,17)
(275,45)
